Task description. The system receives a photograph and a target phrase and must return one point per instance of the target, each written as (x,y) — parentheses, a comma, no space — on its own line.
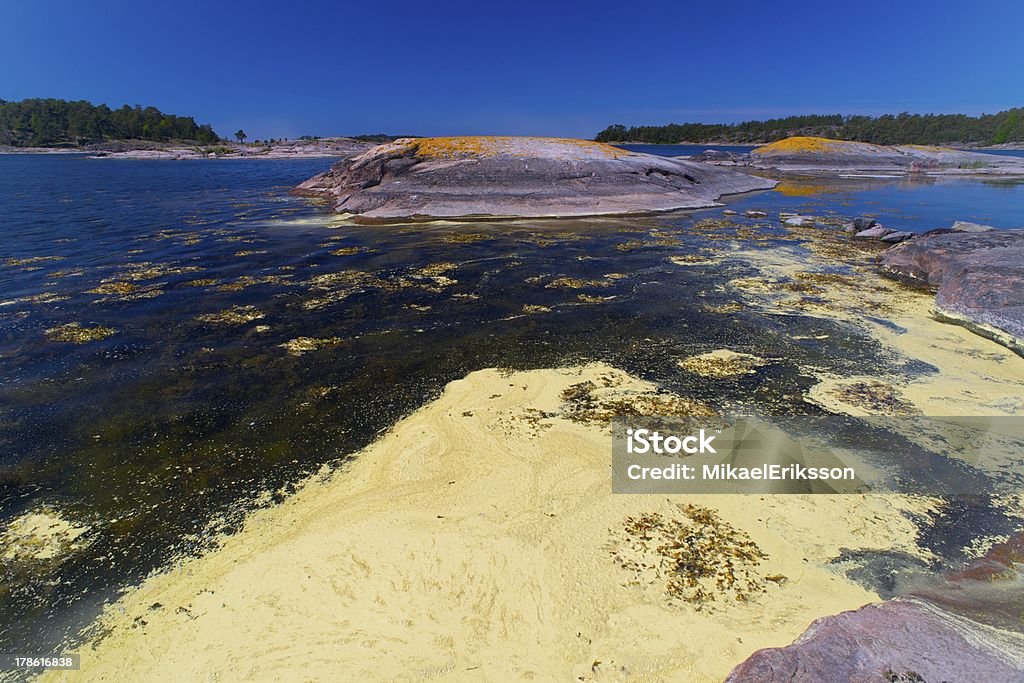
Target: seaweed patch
(75,333)
(236,315)
(302,345)
(722,363)
(699,558)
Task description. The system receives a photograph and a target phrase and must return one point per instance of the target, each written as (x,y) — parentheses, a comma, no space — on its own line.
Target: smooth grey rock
(874,233)
(513,176)
(965,226)
(900,640)
(751,213)
(715,156)
(810,154)
(978,278)
(799,221)
(729,212)
(861,223)
(896,237)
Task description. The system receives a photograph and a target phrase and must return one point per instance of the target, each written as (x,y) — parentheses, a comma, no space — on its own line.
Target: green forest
(52,123)
(919,129)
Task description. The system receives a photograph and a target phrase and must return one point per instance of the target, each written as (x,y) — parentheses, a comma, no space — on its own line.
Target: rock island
(518,177)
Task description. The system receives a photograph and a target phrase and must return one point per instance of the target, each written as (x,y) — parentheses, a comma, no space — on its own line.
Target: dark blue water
(167,430)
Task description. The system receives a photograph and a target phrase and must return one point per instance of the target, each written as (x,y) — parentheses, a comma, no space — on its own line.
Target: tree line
(919,129)
(52,122)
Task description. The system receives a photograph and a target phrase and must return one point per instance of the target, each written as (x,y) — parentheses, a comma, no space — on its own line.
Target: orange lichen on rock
(494,145)
(450,147)
(810,144)
(799,144)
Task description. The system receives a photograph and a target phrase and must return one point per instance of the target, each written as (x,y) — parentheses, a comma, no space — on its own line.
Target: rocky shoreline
(977,275)
(138,149)
(976,271)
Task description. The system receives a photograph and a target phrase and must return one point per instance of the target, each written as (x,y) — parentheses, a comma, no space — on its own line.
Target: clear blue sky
(434,67)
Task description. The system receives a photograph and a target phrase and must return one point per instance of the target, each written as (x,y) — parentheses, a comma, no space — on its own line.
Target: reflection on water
(811,186)
(216,339)
(913,203)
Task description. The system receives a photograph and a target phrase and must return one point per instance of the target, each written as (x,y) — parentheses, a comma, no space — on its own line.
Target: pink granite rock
(900,640)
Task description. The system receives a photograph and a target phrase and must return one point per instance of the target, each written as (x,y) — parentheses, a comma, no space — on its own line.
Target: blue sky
(546,68)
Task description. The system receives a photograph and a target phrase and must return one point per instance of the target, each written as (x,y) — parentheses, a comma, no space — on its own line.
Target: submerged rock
(518,176)
(987,589)
(798,221)
(978,277)
(895,641)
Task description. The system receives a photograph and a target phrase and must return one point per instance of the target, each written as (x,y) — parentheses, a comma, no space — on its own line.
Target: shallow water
(168,429)
(912,204)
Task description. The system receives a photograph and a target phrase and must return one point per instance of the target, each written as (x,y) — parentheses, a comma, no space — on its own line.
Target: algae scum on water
(160,381)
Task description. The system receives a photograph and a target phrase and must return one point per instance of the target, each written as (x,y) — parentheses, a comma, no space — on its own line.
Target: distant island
(1006,127)
(54,125)
(60,123)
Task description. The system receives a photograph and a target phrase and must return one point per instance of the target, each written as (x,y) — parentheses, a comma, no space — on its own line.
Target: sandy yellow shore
(961,372)
(473,542)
